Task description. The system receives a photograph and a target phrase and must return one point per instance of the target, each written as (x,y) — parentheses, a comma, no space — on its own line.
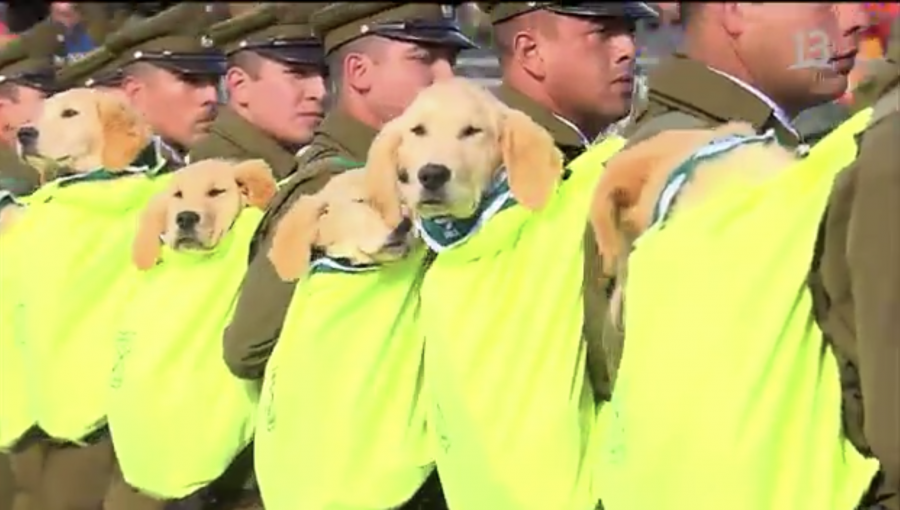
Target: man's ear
(381,175)
(123,132)
(294,238)
(152,225)
(254,178)
(533,163)
(237,82)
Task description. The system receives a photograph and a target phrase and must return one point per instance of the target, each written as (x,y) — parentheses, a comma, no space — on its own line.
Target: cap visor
(311,56)
(632,10)
(191,65)
(434,37)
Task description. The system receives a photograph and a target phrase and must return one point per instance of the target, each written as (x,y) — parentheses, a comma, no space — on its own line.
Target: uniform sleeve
(264,298)
(874,257)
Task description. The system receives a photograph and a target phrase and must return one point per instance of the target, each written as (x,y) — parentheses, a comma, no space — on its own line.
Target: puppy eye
(359,201)
(179,194)
(418,130)
(403,176)
(214,192)
(68,112)
(469,131)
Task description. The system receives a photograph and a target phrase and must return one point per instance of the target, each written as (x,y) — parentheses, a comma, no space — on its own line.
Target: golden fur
(199,206)
(627,193)
(341,221)
(85,129)
(461,127)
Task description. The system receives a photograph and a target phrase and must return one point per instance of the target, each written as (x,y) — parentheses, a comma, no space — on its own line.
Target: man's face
(587,65)
(22,108)
(798,53)
(398,70)
(284,101)
(179,108)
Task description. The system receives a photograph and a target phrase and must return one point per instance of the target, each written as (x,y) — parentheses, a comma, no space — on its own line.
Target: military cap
(31,59)
(342,22)
(174,39)
(502,11)
(277,31)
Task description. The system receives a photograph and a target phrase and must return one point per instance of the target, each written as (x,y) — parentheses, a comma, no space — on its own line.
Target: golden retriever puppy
(341,222)
(82,130)
(448,147)
(634,183)
(200,205)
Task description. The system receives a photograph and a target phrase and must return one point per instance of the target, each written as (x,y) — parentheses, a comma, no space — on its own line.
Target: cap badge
(206,41)
(447,11)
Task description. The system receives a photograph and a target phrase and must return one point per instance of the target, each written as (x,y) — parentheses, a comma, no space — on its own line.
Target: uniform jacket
(572,145)
(685,94)
(341,142)
(856,289)
(233,137)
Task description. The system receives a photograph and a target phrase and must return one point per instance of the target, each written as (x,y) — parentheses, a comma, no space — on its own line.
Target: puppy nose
(187,219)
(27,136)
(433,176)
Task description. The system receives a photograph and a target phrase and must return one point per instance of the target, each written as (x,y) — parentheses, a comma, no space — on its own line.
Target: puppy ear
(381,171)
(615,210)
(123,131)
(254,178)
(533,163)
(294,237)
(152,225)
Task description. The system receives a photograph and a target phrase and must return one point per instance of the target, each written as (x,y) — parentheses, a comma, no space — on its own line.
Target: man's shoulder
(214,145)
(653,120)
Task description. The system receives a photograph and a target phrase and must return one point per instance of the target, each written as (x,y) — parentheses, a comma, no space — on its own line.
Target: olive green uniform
(685,94)
(27,61)
(856,281)
(278,32)
(63,476)
(572,144)
(340,142)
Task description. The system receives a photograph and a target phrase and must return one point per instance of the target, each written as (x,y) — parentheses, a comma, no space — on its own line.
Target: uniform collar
(344,134)
(170,153)
(239,131)
(777,111)
(565,134)
(675,83)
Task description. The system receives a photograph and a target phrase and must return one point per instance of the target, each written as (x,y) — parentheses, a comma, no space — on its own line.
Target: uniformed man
(537,43)
(27,66)
(379,56)
(275,87)
(856,282)
(740,63)
(167,68)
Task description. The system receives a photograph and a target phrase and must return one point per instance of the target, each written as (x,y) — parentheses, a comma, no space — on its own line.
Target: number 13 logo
(812,50)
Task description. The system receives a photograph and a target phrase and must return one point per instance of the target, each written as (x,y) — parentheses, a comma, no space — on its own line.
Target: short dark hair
(247,61)
(9,91)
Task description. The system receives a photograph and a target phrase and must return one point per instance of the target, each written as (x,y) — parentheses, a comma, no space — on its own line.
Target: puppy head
(341,221)
(442,153)
(199,206)
(626,195)
(87,129)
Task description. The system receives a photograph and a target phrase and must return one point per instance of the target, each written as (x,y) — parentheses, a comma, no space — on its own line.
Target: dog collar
(685,171)
(325,264)
(444,232)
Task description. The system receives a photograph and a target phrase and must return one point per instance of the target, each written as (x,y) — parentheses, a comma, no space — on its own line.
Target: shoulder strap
(886,105)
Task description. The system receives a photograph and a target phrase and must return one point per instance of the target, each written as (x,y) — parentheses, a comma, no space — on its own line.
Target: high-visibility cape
(341,421)
(177,416)
(512,411)
(77,233)
(727,395)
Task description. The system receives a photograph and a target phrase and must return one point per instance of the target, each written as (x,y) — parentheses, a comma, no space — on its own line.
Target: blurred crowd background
(84,18)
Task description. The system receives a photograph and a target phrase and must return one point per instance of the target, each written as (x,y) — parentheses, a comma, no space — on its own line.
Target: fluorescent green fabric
(16,415)
(512,410)
(341,424)
(78,235)
(177,416)
(727,396)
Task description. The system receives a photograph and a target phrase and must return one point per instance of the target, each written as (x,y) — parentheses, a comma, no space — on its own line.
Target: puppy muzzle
(27,138)
(187,237)
(433,179)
